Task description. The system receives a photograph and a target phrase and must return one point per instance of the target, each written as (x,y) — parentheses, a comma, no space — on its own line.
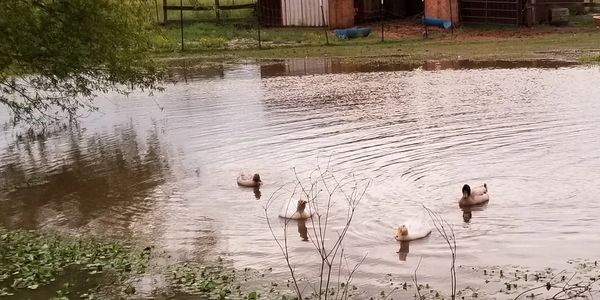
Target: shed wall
(304,13)
(269,12)
(367,10)
(441,9)
(539,10)
(342,13)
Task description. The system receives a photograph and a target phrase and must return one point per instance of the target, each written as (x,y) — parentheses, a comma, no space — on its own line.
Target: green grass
(238,39)
(204,36)
(581,21)
(571,46)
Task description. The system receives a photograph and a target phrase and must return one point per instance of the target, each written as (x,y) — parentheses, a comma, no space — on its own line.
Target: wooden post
(164,12)
(217,12)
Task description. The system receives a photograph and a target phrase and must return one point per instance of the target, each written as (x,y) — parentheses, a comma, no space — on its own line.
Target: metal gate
(491,11)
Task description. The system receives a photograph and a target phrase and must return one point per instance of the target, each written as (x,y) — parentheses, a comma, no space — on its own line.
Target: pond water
(161,168)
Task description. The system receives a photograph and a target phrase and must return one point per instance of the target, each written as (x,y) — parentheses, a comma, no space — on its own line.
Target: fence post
(381,18)
(324,24)
(217,12)
(425,32)
(452,16)
(157,17)
(258,10)
(164,11)
(181,23)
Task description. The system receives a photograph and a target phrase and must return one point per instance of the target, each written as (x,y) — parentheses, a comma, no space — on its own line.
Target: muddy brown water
(162,168)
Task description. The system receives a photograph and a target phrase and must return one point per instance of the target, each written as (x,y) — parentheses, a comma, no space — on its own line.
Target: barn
(346,13)
(307,13)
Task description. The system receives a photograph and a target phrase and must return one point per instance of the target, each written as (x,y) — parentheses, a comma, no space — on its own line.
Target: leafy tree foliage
(55,55)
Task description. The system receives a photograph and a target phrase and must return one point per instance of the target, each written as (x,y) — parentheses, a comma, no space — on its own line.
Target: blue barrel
(353,32)
(446,24)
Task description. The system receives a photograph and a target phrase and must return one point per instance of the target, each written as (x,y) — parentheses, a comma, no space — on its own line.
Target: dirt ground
(407,28)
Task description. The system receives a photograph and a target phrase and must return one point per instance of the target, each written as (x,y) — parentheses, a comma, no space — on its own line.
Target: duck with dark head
(474,196)
(249,180)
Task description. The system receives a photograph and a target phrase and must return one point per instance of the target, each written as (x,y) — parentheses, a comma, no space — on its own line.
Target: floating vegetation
(31,260)
(578,281)
(53,266)
(194,278)
(217,280)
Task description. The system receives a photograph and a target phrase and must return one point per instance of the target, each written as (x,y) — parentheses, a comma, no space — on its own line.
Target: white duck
(475,196)
(296,212)
(412,231)
(249,180)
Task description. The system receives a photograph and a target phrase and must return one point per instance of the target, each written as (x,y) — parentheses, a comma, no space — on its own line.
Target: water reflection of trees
(195,70)
(75,178)
(328,65)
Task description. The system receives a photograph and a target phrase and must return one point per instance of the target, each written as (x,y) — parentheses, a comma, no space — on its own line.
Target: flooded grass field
(161,169)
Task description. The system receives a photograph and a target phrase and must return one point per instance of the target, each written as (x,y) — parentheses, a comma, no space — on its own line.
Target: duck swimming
(249,180)
(417,231)
(475,196)
(299,212)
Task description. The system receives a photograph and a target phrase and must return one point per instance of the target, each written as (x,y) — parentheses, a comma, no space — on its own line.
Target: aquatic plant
(31,259)
(562,286)
(194,278)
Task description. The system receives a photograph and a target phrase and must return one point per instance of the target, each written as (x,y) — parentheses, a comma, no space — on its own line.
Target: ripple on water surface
(164,166)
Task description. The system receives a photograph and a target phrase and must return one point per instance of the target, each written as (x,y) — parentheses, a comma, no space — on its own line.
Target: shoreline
(579,46)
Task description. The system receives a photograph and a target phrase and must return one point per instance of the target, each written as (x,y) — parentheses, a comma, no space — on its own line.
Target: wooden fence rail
(216,7)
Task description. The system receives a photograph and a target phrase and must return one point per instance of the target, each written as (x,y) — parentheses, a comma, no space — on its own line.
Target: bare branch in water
(447,233)
(415,279)
(322,189)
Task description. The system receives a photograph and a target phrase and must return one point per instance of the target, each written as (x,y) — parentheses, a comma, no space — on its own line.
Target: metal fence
(379,15)
(491,11)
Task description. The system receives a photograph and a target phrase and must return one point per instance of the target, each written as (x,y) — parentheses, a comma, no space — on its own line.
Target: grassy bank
(403,41)
(558,46)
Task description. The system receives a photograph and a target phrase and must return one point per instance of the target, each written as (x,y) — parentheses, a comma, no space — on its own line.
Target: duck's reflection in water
(403,251)
(257,193)
(468,211)
(302,230)
(467,215)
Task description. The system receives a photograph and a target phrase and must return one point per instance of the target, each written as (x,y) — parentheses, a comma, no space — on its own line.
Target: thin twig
(415,279)
(449,237)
